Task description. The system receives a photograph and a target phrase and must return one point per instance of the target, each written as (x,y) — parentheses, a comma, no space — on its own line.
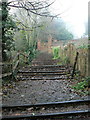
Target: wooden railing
(6,69)
(13,66)
(15,62)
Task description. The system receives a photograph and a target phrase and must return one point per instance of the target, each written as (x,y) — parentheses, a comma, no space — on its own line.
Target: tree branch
(30,8)
(29,29)
(33,7)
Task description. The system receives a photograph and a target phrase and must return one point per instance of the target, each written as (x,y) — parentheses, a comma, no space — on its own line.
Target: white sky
(75,13)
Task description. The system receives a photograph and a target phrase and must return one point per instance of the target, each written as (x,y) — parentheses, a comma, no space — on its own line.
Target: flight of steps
(44,67)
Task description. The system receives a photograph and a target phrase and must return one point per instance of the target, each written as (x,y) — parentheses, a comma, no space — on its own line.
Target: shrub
(56,51)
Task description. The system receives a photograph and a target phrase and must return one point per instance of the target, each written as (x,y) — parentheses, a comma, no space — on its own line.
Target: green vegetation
(22,28)
(14,38)
(56,55)
(65,60)
(61,32)
(8,26)
(22,31)
(56,52)
(84,46)
(81,86)
(56,28)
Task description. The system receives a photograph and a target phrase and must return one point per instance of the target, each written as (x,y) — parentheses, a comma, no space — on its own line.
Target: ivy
(8,26)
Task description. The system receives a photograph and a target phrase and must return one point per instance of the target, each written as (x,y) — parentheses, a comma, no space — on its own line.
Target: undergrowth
(56,51)
(83,85)
(56,55)
(64,60)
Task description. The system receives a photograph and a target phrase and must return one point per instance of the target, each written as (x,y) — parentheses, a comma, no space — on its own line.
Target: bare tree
(37,7)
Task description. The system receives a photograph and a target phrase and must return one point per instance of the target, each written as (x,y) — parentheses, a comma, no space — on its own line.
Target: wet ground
(39,91)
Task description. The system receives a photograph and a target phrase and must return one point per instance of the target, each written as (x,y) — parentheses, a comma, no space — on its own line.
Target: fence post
(75,64)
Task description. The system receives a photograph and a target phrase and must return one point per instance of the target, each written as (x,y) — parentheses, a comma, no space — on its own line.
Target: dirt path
(39,91)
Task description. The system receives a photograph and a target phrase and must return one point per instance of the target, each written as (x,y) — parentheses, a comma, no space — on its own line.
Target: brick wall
(45,46)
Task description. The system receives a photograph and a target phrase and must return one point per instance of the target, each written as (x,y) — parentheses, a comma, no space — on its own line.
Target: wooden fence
(70,52)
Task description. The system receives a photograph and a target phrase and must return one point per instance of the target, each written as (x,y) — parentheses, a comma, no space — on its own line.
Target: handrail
(24,55)
(14,68)
(17,55)
(5,63)
(6,69)
(15,64)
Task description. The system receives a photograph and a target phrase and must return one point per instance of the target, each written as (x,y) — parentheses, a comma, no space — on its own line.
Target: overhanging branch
(33,7)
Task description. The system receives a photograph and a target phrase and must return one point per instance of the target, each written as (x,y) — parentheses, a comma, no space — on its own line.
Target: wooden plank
(15,57)
(15,65)
(5,63)
(5,75)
